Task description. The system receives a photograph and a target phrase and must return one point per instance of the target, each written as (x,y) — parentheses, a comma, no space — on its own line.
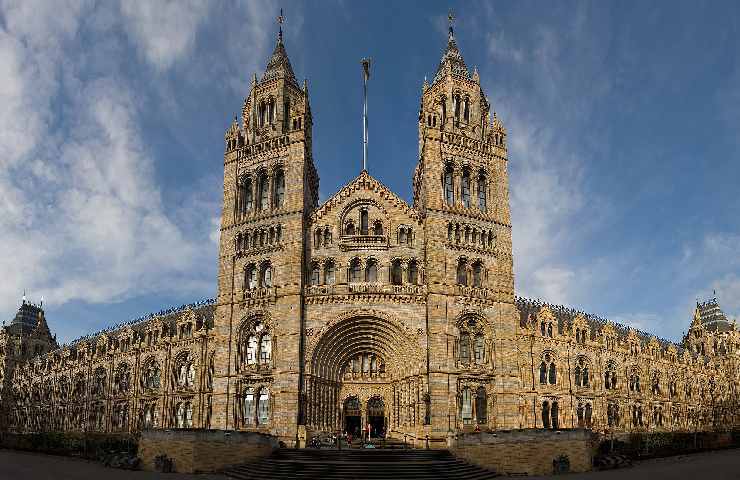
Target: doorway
(376,417)
(352,417)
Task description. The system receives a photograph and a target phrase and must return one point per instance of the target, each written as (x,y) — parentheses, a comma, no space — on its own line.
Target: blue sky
(623,122)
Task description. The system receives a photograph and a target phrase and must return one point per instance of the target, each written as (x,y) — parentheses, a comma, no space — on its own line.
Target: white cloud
(164,31)
(81,216)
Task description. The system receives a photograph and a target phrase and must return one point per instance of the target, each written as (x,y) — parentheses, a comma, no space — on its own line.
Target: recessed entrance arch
(356,366)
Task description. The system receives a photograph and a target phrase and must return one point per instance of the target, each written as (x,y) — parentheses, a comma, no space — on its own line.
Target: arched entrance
(352,416)
(376,417)
(356,369)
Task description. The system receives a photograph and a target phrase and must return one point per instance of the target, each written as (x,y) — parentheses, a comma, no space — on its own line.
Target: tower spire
(452,60)
(279,64)
(280,20)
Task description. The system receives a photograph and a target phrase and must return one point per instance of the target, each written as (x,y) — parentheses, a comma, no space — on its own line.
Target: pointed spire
(279,64)
(452,59)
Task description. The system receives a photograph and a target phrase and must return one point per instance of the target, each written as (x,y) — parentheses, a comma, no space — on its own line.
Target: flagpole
(365,76)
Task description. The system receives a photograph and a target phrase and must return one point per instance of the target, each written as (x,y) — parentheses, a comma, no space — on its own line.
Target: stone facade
(368,310)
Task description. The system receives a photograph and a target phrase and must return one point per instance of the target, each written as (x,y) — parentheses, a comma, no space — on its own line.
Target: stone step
(360,464)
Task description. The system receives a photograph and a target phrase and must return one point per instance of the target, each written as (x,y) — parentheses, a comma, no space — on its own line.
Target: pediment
(363,187)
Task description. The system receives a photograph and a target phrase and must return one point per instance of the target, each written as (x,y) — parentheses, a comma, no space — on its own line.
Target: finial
(42,301)
(280,20)
(450,21)
(24,296)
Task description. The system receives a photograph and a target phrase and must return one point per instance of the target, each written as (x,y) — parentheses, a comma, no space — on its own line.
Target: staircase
(395,464)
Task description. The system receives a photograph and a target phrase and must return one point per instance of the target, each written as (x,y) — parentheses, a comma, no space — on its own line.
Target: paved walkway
(15,465)
(719,465)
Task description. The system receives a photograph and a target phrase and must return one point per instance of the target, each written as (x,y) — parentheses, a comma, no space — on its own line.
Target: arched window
(466,407)
(317,239)
(466,109)
(449,187)
(363,222)
(634,383)
(252,344)
(465,348)
(480,348)
(413,273)
(266,275)
(329,273)
(349,229)
(249,407)
(327,237)
(378,228)
(371,271)
(482,194)
(546,414)
(315,274)
(462,274)
(456,106)
(263,406)
(279,195)
(248,195)
(477,275)
(443,101)
(402,236)
(481,405)
(396,273)
(265,348)
(263,191)
(466,188)
(250,277)
(581,373)
(355,271)
(151,375)
(547,367)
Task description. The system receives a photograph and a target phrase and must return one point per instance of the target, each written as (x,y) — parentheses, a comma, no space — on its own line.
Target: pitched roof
(279,64)
(451,59)
(364,181)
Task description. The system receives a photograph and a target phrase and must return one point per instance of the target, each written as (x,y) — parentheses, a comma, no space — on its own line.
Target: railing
(353,242)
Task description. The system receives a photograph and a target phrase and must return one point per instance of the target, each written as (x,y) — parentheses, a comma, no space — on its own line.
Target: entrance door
(352,417)
(376,417)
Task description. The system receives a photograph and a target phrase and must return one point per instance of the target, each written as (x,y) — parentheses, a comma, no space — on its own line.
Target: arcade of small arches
(266,236)
(460,185)
(471,236)
(260,191)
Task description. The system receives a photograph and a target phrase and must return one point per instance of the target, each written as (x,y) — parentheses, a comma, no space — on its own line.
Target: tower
(270,184)
(460,186)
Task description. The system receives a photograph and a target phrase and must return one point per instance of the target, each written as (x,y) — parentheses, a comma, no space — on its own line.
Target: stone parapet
(201,451)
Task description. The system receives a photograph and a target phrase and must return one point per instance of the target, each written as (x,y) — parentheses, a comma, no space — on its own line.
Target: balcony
(363,242)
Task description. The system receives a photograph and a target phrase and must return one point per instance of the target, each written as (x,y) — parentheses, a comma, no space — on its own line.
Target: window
(462,274)
(286,114)
(265,348)
(317,239)
(378,228)
(266,276)
(371,271)
(402,239)
(548,371)
(329,273)
(610,376)
(477,275)
(612,414)
(449,188)
(251,277)
(443,101)
(315,274)
(466,407)
(396,273)
(252,344)
(466,109)
(349,229)
(327,237)
(248,195)
(465,348)
(249,407)
(456,106)
(185,371)
(363,222)
(634,382)
(480,348)
(279,195)
(413,273)
(263,406)
(263,191)
(581,373)
(466,188)
(355,272)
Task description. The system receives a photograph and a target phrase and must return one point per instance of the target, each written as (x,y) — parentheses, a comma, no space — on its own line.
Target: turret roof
(279,64)
(452,60)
